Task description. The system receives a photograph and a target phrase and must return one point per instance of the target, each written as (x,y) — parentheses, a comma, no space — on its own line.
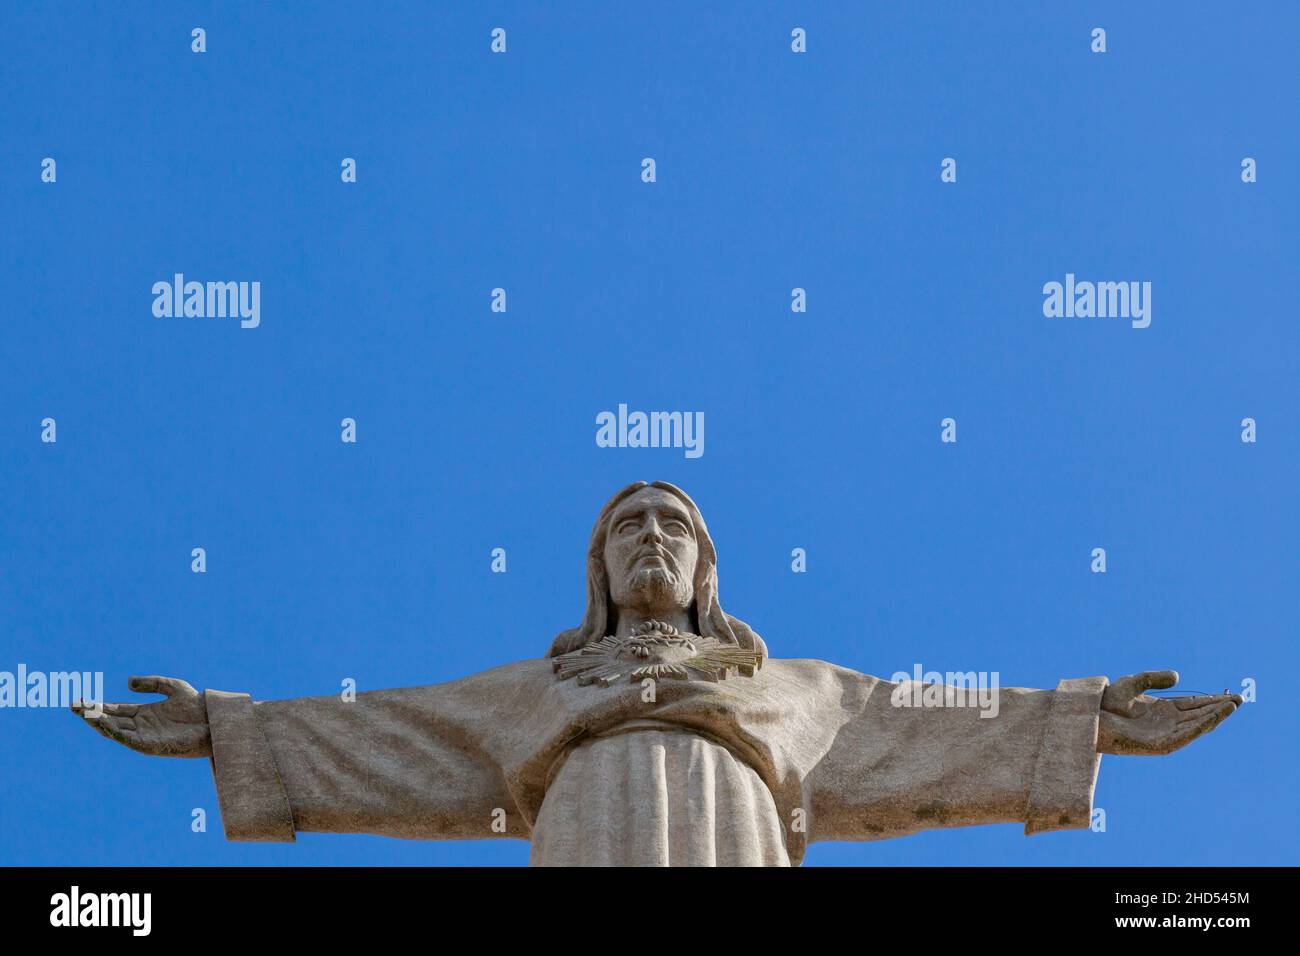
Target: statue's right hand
(175,727)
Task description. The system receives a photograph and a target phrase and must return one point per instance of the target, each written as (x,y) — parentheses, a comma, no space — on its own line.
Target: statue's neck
(631,618)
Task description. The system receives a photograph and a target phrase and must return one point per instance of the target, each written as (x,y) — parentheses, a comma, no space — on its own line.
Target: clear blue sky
(476,430)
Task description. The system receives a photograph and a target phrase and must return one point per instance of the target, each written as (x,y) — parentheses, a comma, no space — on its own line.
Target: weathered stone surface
(657,732)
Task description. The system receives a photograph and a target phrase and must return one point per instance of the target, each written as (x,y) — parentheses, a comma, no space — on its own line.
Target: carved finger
(1210,712)
(95,723)
(1159,680)
(89,709)
(1125,687)
(157,684)
(106,727)
(1122,694)
(121,710)
(1203,700)
(1118,697)
(1189,729)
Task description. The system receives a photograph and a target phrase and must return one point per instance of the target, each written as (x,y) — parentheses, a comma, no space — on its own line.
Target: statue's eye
(625,526)
(676,527)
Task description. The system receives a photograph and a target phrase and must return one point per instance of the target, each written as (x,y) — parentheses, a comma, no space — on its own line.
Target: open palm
(175,727)
(1135,723)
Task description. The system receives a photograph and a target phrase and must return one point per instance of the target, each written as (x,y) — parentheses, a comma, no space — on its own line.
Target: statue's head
(651,551)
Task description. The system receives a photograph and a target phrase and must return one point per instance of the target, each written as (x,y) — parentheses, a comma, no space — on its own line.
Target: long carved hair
(707,616)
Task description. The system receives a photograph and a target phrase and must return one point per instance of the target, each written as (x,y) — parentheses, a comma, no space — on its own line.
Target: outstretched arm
(405,763)
(894,770)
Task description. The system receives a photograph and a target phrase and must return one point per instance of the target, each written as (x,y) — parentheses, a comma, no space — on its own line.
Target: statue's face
(651,552)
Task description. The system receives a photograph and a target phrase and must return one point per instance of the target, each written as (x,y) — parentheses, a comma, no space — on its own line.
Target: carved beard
(658,588)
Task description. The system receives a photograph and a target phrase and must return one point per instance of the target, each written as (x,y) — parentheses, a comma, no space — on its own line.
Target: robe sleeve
(894,770)
(405,763)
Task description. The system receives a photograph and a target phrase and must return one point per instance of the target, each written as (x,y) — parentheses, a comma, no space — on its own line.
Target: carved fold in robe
(745,770)
(645,796)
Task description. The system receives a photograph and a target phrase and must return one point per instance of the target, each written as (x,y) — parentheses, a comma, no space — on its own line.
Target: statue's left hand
(175,727)
(1135,723)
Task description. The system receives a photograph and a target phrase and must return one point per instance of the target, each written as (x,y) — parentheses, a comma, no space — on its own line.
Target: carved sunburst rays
(657,652)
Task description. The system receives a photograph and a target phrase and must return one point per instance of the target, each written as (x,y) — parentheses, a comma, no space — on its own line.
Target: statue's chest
(655,652)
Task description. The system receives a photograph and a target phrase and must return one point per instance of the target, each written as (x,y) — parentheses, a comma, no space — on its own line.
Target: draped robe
(748,770)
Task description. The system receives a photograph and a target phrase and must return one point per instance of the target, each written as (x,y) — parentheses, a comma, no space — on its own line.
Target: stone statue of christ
(657,732)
